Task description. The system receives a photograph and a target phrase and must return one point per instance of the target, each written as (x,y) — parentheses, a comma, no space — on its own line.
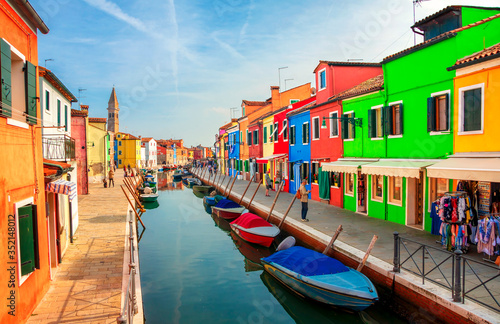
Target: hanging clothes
(485,236)
(436,220)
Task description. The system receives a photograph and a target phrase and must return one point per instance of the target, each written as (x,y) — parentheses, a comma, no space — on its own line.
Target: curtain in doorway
(296,174)
(324,184)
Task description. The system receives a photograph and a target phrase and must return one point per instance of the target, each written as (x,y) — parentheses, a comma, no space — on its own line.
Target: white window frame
(319,79)
(45,102)
(373,196)
(460,109)
(334,121)
(285,130)
(437,94)
(313,130)
(17,205)
(10,120)
(380,107)
(389,192)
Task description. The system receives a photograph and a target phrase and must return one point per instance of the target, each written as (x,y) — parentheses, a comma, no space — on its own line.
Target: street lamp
(350,120)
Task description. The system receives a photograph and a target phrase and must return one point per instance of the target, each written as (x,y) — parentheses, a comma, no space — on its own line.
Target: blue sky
(178,67)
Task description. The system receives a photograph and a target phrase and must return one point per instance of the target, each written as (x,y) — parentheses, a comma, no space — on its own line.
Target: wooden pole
(135,211)
(368,251)
(219,184)
(287,211)
(230,189)
(136,198)
(227,186)
(274,202)
(215,179)
(248,186)
(334,238)
(251,199)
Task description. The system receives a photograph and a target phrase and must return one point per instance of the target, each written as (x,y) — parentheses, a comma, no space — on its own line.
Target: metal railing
(129,307)
(58,147)
(450,270)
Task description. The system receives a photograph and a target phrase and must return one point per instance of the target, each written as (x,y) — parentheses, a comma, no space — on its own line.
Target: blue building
(299,148)
(234,149)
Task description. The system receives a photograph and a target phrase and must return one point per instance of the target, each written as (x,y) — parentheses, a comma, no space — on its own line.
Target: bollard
(457,284)
(396,253)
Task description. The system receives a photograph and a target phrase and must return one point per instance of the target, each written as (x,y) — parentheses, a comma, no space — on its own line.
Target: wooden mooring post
(133,207)
(274,201)
(367,254)
(287,211)
(248,186)
(332,241)
(231,188)
(221,180)
(251,199)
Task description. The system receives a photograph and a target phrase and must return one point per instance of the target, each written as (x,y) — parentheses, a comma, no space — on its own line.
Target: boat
(191,182)
(321,278)
(203,189)
(254,229)
(228,209)
(212,201)
(149,197)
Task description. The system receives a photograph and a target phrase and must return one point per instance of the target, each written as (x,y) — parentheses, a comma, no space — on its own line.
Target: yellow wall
(96,154)
(488,140)
(268,148)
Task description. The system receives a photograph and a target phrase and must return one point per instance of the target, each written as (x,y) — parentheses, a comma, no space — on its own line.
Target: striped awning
(62,187)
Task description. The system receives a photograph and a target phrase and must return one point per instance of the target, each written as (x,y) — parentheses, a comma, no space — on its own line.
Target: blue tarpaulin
(306,262)
(226,203)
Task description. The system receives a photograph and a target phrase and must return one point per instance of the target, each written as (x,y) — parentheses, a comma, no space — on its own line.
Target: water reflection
(252,253)
(221,223)
(166,182)
(151,204)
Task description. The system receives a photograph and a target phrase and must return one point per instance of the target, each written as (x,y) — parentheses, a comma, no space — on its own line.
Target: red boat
(227,209)
(254,229)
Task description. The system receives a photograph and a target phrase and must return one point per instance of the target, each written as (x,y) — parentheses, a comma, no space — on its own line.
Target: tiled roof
(484,55)
(370,85)
(254,103)
(146,139)
(97,120)
(226,126)
(449,34)
(75,112)
(340,63)
(445,10)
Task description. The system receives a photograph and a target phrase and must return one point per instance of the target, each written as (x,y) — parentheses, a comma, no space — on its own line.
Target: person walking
(111,176)
(304,199)
(269,184)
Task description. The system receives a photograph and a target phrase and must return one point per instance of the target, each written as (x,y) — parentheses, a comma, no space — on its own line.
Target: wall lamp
(350,120)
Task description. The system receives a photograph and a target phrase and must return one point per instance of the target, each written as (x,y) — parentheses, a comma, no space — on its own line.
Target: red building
(79,133)
(326,141)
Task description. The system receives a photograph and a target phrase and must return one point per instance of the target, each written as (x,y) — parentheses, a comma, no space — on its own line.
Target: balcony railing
(58,147)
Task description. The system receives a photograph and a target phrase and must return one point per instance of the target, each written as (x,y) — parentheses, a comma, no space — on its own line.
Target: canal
(194,271)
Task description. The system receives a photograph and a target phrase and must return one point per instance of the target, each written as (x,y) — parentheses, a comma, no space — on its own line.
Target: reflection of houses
(24,241)
(98,149)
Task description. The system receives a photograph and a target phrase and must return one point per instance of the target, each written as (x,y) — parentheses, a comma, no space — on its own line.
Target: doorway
(362,193)
(414,212)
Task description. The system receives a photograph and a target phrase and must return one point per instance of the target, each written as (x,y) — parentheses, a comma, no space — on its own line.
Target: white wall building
(151,151)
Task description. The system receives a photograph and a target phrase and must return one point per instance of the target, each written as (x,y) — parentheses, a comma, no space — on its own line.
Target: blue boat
(212,201)
(321,278)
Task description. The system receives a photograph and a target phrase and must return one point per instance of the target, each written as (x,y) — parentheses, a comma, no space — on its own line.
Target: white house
(151,151)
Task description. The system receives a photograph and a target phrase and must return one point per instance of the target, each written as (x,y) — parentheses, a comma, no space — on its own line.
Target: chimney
(84,107)
(275,98)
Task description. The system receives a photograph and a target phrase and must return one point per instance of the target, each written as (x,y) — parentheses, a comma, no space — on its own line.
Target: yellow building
(97,149)
(128,150)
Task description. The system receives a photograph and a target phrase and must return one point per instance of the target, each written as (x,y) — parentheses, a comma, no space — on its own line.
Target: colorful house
(150,150)
(97,149)
(79,125)
(128,150)
(26,269)
(234,141)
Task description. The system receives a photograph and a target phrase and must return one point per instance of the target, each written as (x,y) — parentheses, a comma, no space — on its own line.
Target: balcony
(58,147)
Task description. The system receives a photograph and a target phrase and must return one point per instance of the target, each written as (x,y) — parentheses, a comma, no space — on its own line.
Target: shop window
(375,127)
(285,130)
(305,133)
(334,124)
(28,239)
(349,184)
(315,125)
(471,108)
(292,135)
(393,118)
(276,130)
(335,179)
(395,190)
(315,171)
(377,187)
(437,188)
(438,113)
(348,129)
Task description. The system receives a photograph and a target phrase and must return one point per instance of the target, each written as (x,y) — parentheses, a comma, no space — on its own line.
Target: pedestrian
(124,168)
(303,199)
(129,168)
(111,176)
(269,184)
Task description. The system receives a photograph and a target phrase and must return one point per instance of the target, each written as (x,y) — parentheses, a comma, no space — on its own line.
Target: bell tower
(113,121)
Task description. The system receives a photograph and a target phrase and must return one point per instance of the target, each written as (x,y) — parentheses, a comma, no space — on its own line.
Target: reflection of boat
(322,278)
(305,311)
(208,208)
(198,194)
(205,190)
(252,253)
(221,223)
(228,209)
(149,197)
(151,204)
(254,229)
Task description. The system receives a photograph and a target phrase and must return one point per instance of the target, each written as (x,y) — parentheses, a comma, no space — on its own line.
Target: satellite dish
(286,244)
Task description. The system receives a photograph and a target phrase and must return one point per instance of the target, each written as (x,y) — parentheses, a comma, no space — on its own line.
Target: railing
(450,270)
(58,147)
(130,308)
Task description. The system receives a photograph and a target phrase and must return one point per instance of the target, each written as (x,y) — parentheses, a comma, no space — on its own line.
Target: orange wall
(300,92)
(21,177)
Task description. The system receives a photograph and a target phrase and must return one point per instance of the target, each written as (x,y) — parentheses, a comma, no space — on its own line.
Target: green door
(26,239)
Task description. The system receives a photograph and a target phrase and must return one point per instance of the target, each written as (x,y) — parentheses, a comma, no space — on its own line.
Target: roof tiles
(370,85)
(484,55)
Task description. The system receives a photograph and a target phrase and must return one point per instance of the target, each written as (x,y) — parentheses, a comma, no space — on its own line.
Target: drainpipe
(26,6)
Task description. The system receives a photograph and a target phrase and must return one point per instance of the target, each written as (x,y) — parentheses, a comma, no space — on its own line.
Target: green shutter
(308,133)
(246,165)
(353,127)
(27,239)
(345,130)
(58,113)
(271,135)
(372,127)
(265,135)
(431,114)
(401,124)
(65,118)
(388,120)
(31,97)
(6,81)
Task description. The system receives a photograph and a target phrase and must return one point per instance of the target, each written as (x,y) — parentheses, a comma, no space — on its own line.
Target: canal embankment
(432,300)
(90,284)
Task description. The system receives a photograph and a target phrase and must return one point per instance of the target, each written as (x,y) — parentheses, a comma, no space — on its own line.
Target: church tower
(113,121)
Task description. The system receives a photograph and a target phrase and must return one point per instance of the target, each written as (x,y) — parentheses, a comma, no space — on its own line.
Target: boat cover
(226,203)
(249,220)
(306,262)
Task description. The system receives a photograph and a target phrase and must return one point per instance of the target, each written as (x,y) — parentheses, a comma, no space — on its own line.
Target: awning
(270,157)
(477,169)
(62,187)
(408,169)
(346,166)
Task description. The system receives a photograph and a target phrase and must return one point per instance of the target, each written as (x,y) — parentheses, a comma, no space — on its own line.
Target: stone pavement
(87,287)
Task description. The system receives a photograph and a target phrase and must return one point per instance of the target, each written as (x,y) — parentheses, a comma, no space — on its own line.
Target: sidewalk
(87,286)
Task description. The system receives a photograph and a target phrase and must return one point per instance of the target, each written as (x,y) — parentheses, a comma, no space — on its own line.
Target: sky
(178,67)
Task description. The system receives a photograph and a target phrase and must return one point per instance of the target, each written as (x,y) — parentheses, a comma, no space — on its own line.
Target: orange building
(24,239)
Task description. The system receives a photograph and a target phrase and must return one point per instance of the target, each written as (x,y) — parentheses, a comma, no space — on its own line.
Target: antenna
(286,81)
(415,4)
(47,60)
(80,90)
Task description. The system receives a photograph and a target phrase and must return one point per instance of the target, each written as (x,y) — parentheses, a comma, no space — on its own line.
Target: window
(377,187)
(335,179)
(249,138)
(256,137)
(265,134)
(120,152)
(119,143)
(292,135)
(393,119)
(315,121)
(305,133)
(58,112)
(292,101)
(65,118)
(304,171)
(438,113)
(119,161)
(285,130)
(471,108)
(348,129)
(334,125)
(28,238)
(315,171)
(395,190)
(437,188)
(291,171)
(349,181)
(276,130)
(322,79)
(47,100)
(375,129)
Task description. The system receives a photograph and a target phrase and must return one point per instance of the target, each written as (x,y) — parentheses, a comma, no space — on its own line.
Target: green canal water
(194,271)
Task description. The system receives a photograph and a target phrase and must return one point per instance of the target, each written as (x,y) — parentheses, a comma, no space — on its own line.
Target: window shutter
(30,79)
(431,114)
(6,81)
(265,135)
(65,118)
(353,126)
(371,123)
(345,131)
(448,112)
(388,120)
(401,118)
(26,239)
(271,133)
(308,132)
